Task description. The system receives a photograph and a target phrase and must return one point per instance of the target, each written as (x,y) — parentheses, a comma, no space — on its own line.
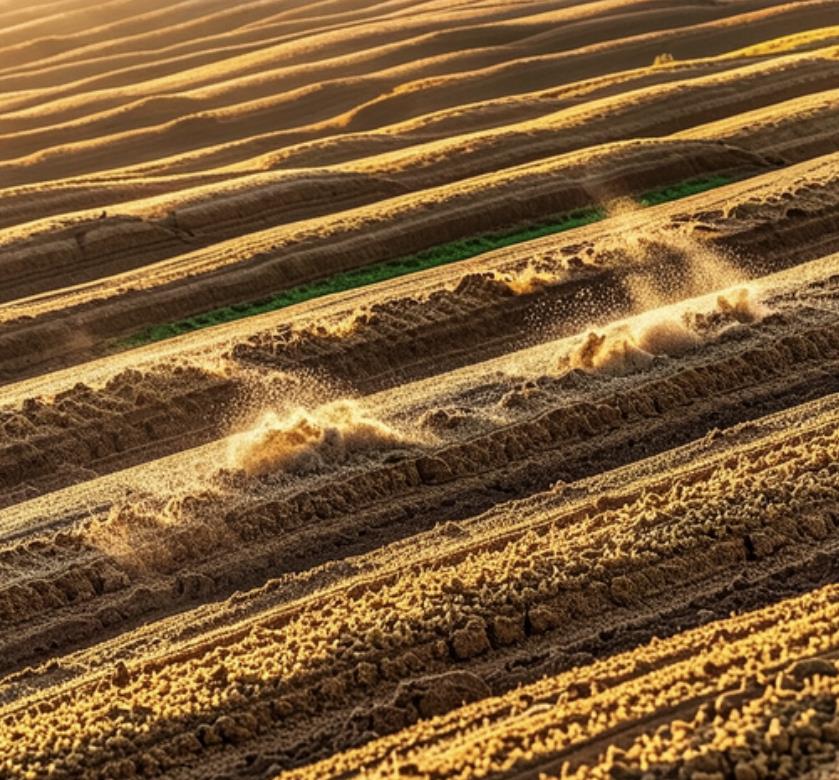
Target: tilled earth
(567,509)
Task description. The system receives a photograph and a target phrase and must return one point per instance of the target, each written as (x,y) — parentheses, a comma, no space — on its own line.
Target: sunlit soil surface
(419,390)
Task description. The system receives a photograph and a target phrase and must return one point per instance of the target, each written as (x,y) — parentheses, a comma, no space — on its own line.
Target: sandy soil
(568,508)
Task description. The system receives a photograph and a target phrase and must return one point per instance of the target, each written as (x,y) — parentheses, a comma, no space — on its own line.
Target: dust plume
(667,264)
(625,349)
(531,280)
(741,304)
(667,268)
(303,441)
(152,532)
(670,331)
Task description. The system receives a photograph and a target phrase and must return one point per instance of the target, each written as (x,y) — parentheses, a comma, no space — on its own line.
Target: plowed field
(419,389)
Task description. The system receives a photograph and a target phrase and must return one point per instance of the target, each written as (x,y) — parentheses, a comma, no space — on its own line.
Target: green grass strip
(683,190)
(443,254)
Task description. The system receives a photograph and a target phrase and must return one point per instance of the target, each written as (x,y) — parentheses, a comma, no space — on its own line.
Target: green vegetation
(420,261)
(359,277)
(683,190)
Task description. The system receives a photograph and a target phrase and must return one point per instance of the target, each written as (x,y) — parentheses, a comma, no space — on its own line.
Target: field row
(567,570)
